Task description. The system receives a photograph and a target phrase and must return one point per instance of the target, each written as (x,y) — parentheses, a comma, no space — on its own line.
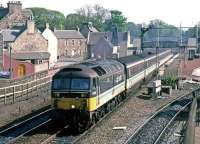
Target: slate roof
(68,34)
(102,42)
(3,12)
(31,55)
(95,36)
(9,35)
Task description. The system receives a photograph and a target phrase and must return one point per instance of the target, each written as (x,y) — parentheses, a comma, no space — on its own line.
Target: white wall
(52,45)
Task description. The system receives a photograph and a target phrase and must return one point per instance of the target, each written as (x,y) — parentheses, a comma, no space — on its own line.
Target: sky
(186,12)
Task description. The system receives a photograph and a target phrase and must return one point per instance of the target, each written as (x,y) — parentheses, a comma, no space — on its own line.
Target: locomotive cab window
(71,84)
(80,84)
(61,83)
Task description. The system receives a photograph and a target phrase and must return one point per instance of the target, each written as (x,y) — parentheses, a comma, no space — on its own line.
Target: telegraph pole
(157,50)
(197,37)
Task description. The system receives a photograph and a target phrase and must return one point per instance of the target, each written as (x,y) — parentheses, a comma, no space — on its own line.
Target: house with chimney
(114,44)
(24,51)
(71,45)
(13,16)
(49,35)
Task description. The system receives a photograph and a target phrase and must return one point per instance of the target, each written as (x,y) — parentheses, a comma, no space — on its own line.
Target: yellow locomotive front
(74,92)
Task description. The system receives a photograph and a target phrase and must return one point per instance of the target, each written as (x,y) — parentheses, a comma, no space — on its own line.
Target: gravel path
(131,114)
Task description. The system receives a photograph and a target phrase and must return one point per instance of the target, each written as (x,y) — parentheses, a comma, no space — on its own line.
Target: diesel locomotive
(84,92)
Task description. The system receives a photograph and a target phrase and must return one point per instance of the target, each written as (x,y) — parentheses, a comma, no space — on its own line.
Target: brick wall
(71,48)
(15,65)
(15,16)
(41,67)
(27,42)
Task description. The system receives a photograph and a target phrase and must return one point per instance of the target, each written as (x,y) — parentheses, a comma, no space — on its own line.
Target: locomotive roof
(78,70)
(94,68)
(102,67)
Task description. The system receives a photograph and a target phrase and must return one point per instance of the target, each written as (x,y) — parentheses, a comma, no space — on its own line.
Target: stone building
(27,51)
(14,16)
(52,44)
(71,44)
(30,40)
(117,42)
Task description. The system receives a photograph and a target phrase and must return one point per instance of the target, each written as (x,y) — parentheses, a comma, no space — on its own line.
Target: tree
(74,20)
(95,14)
(116,19)
(54,18)
(135,29)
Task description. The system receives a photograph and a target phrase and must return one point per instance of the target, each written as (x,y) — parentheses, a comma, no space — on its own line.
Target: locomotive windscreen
(71,84)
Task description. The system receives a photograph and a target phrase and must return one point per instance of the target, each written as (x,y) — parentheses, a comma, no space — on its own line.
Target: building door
(21,70)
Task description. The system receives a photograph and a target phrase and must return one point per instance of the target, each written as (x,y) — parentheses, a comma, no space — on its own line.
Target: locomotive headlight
(73,106)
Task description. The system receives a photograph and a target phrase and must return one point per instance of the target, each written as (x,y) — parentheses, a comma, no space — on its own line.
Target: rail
(189,94)
(14,132)
(189,137)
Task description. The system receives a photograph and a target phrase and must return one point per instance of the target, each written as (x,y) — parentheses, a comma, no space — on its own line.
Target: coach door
(21,70)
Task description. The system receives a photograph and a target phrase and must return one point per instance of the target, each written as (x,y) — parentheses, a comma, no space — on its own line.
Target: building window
(66,44)
(80,43)
(73,52)
(73,42)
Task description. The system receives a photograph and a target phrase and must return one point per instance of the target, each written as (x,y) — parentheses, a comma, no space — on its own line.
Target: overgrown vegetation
(103,19)
(169,80)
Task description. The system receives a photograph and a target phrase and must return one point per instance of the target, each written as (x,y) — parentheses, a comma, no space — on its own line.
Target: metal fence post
(13,94)
(5,96)
(27,90)
(22,90)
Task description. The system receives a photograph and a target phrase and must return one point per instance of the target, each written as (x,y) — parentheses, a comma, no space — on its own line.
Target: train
(83,93)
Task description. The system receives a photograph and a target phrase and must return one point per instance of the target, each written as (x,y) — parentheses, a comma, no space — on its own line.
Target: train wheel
(98,117)
(120,98)
(108,108)
(124,95)
(82,126)
(102,111)
(94,119)
(113,104)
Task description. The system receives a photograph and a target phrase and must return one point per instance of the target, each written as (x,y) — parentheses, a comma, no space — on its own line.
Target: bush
(169,80)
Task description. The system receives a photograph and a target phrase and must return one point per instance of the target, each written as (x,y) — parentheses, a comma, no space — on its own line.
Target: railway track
(65,136)
(153,130)
(16,131)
